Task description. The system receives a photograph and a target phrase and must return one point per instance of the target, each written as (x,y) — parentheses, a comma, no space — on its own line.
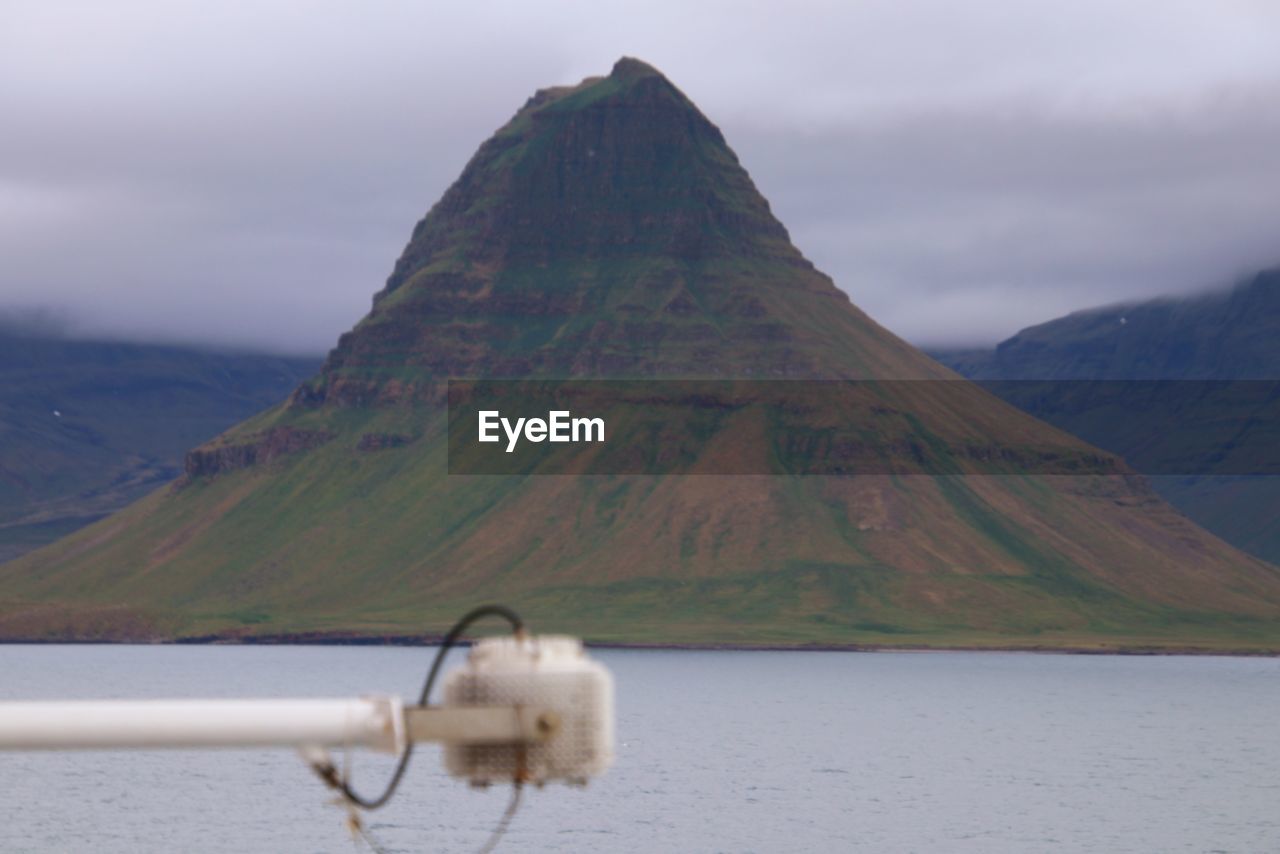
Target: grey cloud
(246,175)
(961,227)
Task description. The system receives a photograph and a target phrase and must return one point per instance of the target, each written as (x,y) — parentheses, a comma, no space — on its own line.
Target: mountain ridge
(1225,334)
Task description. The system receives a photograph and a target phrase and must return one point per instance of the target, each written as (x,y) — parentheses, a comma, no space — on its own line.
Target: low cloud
(961,227)
(246,176)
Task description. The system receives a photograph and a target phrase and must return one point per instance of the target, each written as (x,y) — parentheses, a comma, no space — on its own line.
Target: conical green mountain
(608,231)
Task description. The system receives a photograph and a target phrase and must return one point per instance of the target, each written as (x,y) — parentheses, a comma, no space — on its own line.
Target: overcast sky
(246,174)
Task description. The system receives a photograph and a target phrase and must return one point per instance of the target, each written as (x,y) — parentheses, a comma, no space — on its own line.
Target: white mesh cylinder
(551,673)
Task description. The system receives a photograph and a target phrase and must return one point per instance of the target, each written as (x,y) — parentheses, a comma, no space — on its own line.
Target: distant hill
(1227,335)
(607,231)
(1232,334)
(88,426)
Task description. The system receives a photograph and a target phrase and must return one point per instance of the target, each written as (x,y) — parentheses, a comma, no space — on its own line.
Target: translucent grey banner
(735,427)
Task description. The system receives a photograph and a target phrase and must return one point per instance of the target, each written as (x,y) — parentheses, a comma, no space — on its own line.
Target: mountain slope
(608,231)
(1228,335)
(87,427)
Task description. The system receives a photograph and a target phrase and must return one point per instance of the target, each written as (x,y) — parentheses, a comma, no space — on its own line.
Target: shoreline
(430,640)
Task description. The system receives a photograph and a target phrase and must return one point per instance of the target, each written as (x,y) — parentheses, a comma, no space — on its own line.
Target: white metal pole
(379,723)
(373,722)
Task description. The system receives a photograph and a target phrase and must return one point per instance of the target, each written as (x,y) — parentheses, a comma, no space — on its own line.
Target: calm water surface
(718,751)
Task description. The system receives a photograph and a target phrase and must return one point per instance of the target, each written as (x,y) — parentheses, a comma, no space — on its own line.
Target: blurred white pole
(374,722)
(378,723)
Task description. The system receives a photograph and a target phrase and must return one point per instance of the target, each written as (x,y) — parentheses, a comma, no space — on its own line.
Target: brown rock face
(259,448)
(382,441)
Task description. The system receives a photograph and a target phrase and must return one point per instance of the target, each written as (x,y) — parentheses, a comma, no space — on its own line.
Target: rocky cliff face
(254,449)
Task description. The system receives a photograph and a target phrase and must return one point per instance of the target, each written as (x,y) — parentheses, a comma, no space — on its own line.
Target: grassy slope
(385,542)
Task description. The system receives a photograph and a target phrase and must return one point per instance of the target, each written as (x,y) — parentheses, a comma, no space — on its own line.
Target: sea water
(717,751)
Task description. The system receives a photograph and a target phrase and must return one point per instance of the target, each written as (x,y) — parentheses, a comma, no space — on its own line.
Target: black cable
(505,821)
(450,640)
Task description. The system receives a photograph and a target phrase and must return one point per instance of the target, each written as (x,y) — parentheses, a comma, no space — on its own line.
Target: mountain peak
(610,222)
(630,68)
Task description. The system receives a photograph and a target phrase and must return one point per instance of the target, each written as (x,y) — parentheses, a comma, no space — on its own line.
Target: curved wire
(505,822)
(450,640)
